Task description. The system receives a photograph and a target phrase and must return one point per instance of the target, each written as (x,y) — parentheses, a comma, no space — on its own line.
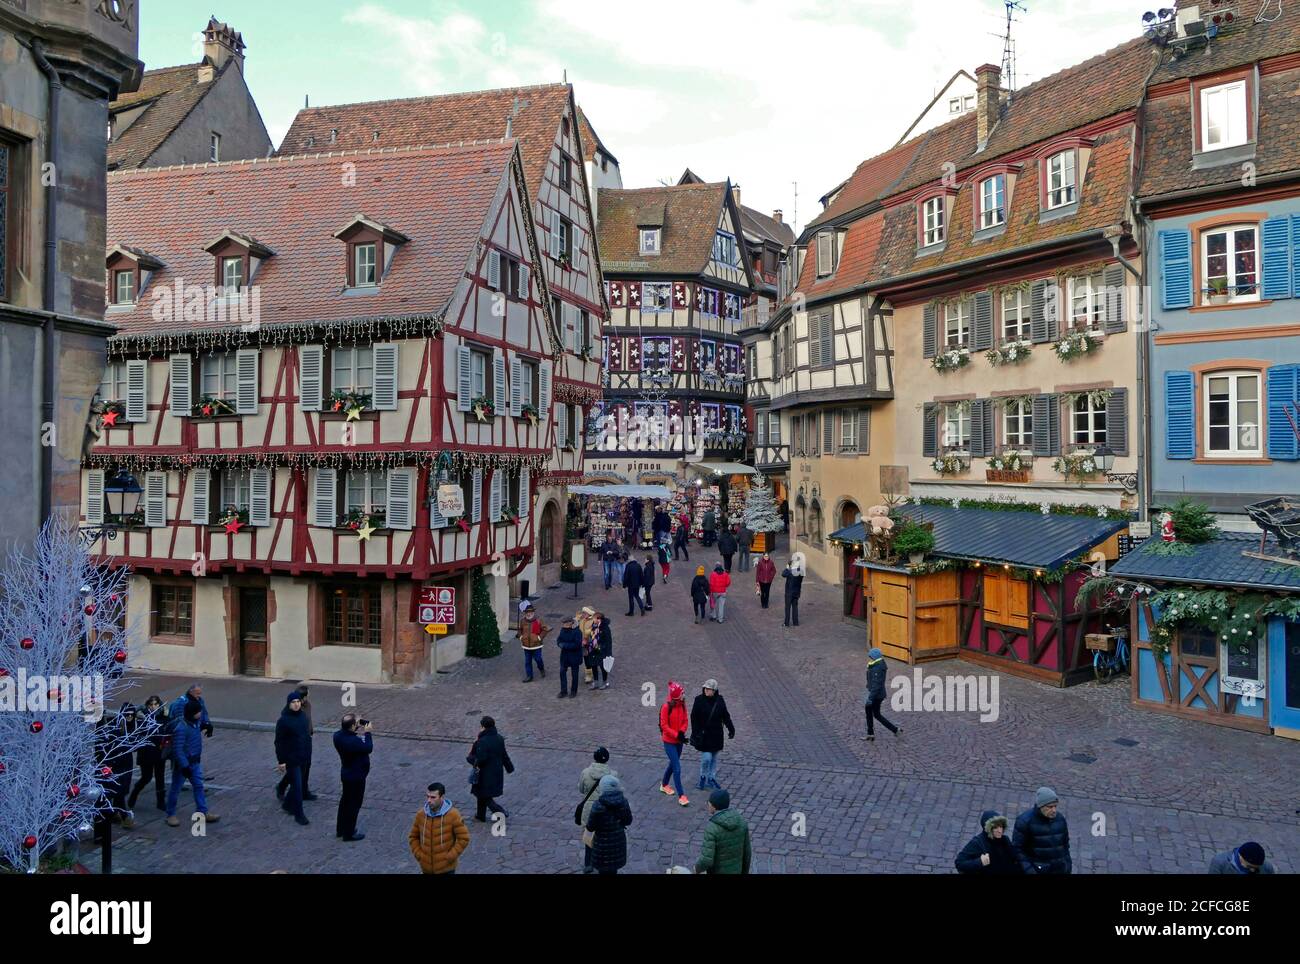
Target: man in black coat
(491,763)
(727,545)
(793,576)
(605,642)
(1042,838)
(292,751)
(632,582)
(708,717)
(354,744)
(570,642)
(990,851)
(648,580)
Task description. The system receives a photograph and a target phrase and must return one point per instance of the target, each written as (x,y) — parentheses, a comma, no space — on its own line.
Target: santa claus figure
(1167,527)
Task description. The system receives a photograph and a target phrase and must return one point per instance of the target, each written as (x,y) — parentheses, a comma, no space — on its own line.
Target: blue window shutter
(1175,269)
(1180,415)
(1275,237)
(1295,254)
(1283,397)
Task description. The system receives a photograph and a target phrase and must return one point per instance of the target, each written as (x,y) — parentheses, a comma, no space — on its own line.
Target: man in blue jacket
(1042,837)
(292,751)
(354,745)
(187,756)
(570,643)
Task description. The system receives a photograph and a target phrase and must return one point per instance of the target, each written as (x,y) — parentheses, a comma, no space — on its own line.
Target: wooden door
(252,632)
(1284,675)
(890,605)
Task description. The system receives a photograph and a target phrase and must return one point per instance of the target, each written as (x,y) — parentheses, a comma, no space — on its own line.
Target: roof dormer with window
(1063,163)
(933,215)
(1224,118)
(370,246)
(129,271)
(238,258)
(992,190)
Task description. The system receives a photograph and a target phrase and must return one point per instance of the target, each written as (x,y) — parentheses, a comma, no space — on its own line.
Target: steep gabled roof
(168,95)
(441,198)
(874,178)
(937,97)
(690,214)
(591,140)
(766,228)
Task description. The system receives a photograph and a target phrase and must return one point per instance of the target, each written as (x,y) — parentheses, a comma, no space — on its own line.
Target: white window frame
(1224,110)
(368,482)
(993,201)
(954,105)
(1234,425)
(214,147)
(1230,254)
(955,416)
(1062,179)
(958,326)
(933,215)
(773,428)
(121,297)
(724,249)
(528,383)
(480,374)
(1089,293)
(848,432)
(650,241)
(651,300)
(236,490)
(347,359)
(1095,426)
(227,263)
(1018,426)
(115,377)
(1015,304)
(224,366)
(372,264)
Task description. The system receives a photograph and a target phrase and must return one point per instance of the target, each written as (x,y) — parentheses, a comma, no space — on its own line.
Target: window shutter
(561,424)
(95,496)
(1117,421)
(324,494)
(1175,269)
(525,492)
(929,429)
(553,242)
(523,281)
(981,427)
(864,431)
(246,392)
(828,336)
(544,389)
(180,402)
(824,254)
(259,497)
(516,386)
(137,390)
(1046,414)
(155,499)
(1180,415)
(1038,312)
(464,386)
(983,321)
(1283,397)
(1116,299)
(828,433)
(311,380)
(1275,239)
(498,383)
(436,519)
(494,496)
(384,397)
(476,496)
(200,501)
(401,487)
(760,430)
(930,332)
(1295,255)
(494,270)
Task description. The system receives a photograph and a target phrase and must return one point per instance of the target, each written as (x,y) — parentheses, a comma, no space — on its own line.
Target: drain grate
(1125,741)
(1082,758)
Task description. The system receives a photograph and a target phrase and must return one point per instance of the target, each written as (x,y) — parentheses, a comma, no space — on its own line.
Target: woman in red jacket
(674,721)
(719,581)
(764,576)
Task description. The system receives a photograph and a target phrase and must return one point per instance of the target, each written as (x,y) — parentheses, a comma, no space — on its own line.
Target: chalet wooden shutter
(981,427)
(246,391)
(929,429)
(1283,398)
(137,390)
(1116,299)
(828,433)
(929,332)
(311,377)
(384,395)
(182,370)
(494,270)
(95,496)
(498,383)
(476,496)
(1180,415)
(494,495)
(200,497)
(983,339)
(1276,244)
(544,389)
(1175,269)
(324,495)
(1047,425)
(259,497)
(155,499)
(464,383)
(561,424)
(516,386)
(864,431)
(1038,332)
(400,512)
(1117,421)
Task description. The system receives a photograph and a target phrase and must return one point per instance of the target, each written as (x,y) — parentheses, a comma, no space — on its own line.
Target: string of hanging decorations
(570,394)
(454,461)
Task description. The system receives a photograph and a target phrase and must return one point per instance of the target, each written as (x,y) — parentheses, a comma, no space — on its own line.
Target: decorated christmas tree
(484,635)
(760,509)
(62,652)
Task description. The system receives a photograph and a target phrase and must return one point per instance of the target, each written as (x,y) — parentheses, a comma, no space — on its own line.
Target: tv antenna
(1008,45)
(794,221)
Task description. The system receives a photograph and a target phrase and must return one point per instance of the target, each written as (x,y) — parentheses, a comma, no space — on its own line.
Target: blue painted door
(1284,674)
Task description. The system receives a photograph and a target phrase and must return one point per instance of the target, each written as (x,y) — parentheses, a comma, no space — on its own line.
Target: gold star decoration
(354,414)
(364,531)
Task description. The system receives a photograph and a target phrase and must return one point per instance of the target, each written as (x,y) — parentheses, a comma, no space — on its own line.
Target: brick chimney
(220,43)
(778,216)
(988,99)
(735,192)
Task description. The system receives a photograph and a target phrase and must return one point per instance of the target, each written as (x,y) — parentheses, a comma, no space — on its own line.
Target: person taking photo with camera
(354,744)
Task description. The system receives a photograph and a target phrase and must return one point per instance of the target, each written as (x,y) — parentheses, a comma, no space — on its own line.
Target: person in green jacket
(726,847)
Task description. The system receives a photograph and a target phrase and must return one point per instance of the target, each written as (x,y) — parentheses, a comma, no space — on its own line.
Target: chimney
(735,192)
(778,216)
(220,44)
(988,81)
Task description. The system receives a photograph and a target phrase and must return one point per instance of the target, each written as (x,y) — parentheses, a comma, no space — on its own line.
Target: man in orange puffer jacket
(439,835)
(674,721)
(719,581)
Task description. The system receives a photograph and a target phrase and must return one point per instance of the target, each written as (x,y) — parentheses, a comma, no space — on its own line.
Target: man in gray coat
(744,538)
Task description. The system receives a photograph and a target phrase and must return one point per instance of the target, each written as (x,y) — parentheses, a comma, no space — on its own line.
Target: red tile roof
(690,215)
(857,260)
(438,197)
(171,93)
(873,179)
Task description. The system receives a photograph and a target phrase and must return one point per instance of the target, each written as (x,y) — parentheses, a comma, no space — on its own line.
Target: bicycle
(1107,665)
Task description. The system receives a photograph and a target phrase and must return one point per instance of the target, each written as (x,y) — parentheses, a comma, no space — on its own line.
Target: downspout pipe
(49,266)
(1143,331)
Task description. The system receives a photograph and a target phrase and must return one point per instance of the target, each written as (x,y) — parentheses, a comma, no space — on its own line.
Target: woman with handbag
(491,763)
(587,784)
(606,835)
(673,723)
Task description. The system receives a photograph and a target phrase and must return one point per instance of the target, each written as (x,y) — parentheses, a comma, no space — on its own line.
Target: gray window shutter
(476,497)
(311,381)
(929,445)
(981,427)
(246,393)
(464,385)
(828,432)
(180,402)
(499,398)
(384,397)
(259,497)
(930,332)
(155,499)
(200,504)
(95,496)
(983,321)
(137,390)
(324,495)
(1117,421)
(516,384)
(544,390)
(525,492)
(1116,302)
(1038,333)
(1047,425)
(400,512)
(495,492)
(828,337)
(864,431)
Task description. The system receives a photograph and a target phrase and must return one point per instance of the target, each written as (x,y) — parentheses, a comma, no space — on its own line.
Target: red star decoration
(110,417)
(233,526)
(207,409)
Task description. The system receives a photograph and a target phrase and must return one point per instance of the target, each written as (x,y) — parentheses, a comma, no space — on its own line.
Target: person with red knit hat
(674,721)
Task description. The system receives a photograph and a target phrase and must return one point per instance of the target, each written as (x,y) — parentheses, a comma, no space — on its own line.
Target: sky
(769,93)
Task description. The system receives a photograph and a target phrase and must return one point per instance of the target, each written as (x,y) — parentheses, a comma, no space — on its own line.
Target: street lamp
(1105,458)
(122,494)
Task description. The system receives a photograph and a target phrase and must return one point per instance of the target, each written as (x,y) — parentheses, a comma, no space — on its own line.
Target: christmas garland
(339,458)
(571,394)
(210,406)
(1011,462)
(1081,466)
(951,359)
(950,464)
(1098,396)
(1010,505)
(1011,353)
(1076,344)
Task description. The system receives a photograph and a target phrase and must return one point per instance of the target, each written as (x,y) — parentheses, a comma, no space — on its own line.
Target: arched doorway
(548,532)
(849,513)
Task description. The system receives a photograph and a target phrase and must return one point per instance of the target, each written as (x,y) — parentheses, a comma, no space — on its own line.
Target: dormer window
(1224,116)
(364,272)
(993,195)
(238,258)
(650,241)
(1061,179)
(933,217)
(124,286)
(232,273)
(214,147)
(129,270)
(370,246)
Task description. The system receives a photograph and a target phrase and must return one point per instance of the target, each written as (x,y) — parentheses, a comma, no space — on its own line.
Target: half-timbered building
(311,350)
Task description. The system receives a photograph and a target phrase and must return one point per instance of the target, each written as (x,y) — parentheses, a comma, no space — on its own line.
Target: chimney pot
(988,100)
(221,43)
(778,216)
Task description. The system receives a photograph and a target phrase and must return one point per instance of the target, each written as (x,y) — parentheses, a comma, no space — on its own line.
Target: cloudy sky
(766,92)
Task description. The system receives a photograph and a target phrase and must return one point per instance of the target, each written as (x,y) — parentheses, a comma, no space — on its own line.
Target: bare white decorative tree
(760,508)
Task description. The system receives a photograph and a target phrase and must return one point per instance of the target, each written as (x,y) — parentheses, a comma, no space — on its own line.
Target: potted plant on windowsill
(483,408)
(1218,291)
(530,412)
(353,403)
(509,514)
(913,540)
(209,406)
(358,518)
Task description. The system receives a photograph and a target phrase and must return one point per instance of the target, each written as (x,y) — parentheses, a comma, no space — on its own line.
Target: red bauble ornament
(3,672)
(27,642)
(114,598)
(74,790)
(30,841)
(2,766)
(90,609)
(120,656)
(36,726)
(105,771)
(66,814)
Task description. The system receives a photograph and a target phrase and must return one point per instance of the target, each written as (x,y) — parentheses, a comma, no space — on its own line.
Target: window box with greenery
(212,406)
(1011,462)
(1217,292)
(232,513)
(1076,344)
(1080,465)
(483,408)
(510,514)
(343,400)
(951,360)
(1011,353)
(951,463)
(913,540)
(530,412)
(357,518)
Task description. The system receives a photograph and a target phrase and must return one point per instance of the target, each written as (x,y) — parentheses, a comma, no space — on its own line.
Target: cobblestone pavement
(1143,792)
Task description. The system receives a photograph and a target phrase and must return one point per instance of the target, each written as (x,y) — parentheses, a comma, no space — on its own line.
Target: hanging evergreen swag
(484,635)
(343,457)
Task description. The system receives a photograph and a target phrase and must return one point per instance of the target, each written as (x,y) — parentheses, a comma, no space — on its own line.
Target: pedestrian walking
(606,827)
(727,546)
(708,718)
(744,541)
(570,643)
(149,756)
(292,750)
(682,539)
(113,739)
(708,525)
(793,576)
(438,836)
(491,763)
(877,670)
(719,582)
(609,555)
(633,583)
(727,848)
(665,560)
(989,852)
(587,785)
(192,695)
(764,576)
(648,579)
(662,525)
(603,650)
(1249,858)
(700,594)
(585,619)
(187,763)
(532,637)
(354,743)
(1042,837)
(311,729)
(673,724)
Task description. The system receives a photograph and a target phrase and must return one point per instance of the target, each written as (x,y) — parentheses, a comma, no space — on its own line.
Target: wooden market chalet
(309,347)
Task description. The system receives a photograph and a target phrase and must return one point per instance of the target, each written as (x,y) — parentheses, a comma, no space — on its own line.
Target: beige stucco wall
(208,655)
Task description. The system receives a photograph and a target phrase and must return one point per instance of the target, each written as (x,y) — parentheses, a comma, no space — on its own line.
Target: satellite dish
(1148,17)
